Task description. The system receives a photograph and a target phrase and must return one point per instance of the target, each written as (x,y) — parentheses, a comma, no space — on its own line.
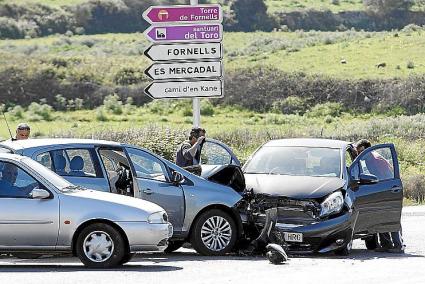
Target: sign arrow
(185,33)
(191,51)
(188,70)
(185,89)
(183,14)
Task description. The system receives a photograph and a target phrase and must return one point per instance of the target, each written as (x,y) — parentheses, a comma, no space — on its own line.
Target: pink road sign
(186,33)
(183,14)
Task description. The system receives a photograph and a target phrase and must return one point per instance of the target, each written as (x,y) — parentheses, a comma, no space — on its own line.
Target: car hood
(298,187)
(229,175)
(115,199)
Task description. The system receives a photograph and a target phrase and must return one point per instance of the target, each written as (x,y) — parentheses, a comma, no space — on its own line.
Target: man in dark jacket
(189,152)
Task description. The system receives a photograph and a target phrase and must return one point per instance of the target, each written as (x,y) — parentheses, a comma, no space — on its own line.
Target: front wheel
(100,246)
(214,233)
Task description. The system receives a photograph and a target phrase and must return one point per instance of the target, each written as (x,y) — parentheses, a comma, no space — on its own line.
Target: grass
(308,52)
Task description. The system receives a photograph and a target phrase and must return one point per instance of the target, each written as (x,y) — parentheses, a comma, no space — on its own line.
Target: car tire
(345,250)
(100,245)
(371,242)
(127,258)
(173,246)
(214,233)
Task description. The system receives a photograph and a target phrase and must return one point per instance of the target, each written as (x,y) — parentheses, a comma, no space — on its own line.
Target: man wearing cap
(23,131)
(189,152)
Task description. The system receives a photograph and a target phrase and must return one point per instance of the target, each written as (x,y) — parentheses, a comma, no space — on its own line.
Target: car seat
(76,166)
(60,164)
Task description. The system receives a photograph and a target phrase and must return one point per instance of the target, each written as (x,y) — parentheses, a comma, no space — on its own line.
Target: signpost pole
(196,101)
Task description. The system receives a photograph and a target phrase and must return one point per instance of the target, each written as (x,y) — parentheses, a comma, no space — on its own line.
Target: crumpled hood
(298,187)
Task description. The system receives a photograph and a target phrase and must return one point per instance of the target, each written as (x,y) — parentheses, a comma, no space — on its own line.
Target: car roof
(13,157)
(32,143)
(308,142)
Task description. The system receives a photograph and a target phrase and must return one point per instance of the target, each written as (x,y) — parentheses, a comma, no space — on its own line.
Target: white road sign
(185,89)
(191,51)
(188,70)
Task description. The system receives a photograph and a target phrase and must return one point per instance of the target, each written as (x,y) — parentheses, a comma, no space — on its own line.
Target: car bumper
(322,236)
(146,237)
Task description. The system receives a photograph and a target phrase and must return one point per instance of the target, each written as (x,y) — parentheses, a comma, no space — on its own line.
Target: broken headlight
(332,204)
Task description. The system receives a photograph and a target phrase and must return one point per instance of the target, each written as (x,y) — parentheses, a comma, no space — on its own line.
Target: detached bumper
(146,237)
(322,236)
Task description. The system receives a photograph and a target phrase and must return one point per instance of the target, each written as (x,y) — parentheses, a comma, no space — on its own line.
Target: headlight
(332,204)
(158,218)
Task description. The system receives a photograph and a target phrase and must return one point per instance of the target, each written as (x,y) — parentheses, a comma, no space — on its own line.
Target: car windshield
(295,161)
(59,182)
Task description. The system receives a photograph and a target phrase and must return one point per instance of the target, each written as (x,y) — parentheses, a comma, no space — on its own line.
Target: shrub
(290,105)
(113,103)
(326,109)
(9,28)
(129,76)
(101,115)
(38,112)
(410,65)
(17,112)
(414,188)
(207,108)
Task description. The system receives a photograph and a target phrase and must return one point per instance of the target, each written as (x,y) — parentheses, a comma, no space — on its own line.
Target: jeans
(390,240)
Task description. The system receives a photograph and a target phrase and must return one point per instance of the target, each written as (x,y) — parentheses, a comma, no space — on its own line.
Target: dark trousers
(390,240)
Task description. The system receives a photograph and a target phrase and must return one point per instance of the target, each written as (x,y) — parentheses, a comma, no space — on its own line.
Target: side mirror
(177,177)
(39,193)
(367,179)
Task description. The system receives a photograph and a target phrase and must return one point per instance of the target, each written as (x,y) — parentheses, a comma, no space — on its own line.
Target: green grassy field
(308,52)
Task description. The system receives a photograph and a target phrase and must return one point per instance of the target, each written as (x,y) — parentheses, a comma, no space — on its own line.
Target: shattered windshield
(296,161)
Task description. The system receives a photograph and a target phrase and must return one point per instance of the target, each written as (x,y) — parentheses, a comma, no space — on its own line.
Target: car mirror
(367,179)
(176,177)
(39,193)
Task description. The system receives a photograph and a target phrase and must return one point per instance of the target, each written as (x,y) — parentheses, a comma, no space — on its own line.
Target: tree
(251,15)
(385,7)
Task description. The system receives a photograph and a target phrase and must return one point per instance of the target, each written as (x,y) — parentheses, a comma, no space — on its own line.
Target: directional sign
(185,33)
(185,89)
(183,14)
(163,71)
(191,51)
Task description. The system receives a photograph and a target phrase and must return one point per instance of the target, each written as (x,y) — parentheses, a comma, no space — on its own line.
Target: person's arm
(190,152)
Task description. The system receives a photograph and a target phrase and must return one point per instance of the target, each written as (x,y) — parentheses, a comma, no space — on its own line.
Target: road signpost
(186,51)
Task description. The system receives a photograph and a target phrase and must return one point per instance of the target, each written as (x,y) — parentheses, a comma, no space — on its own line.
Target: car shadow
(193,256)
(361,254)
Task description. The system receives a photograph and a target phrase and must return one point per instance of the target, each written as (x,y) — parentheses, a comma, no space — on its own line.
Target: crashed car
(325,196)
(201,212)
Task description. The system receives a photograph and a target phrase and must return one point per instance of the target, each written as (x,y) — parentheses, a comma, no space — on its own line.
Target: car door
(375,180)
(154,185)
(87,173)
(26,222)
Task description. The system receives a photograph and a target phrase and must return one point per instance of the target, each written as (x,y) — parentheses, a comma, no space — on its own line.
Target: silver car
(201,211)
(42,213)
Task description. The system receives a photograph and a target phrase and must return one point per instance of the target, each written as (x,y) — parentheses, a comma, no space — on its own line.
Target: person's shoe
(396,250)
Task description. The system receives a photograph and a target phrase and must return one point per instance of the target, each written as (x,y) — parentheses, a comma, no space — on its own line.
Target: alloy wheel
(216,233)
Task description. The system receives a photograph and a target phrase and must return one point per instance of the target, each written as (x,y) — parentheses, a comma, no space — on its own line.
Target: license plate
(293,237)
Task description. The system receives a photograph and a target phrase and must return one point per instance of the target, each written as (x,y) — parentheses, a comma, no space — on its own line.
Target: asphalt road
(185,266)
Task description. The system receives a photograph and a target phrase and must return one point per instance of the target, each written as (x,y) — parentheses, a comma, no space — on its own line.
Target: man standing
(189,152)
(382,169)
(23,131)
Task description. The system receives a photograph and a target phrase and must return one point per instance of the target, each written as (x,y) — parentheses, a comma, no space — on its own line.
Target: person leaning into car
(189,152)
(382,169)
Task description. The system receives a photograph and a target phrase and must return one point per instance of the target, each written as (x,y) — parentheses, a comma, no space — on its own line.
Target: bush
(414,188)
(113,103)
(38,112)
(17,112)
(9,28)
(129,76)
(207,108)
(290,105)
(101,115)
(385,7)
(326,109)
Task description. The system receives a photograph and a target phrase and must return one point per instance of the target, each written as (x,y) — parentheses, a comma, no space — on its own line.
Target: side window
(74,162)
(214,154)
(45,160)
(146,165)
(15,182)
(378,163)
